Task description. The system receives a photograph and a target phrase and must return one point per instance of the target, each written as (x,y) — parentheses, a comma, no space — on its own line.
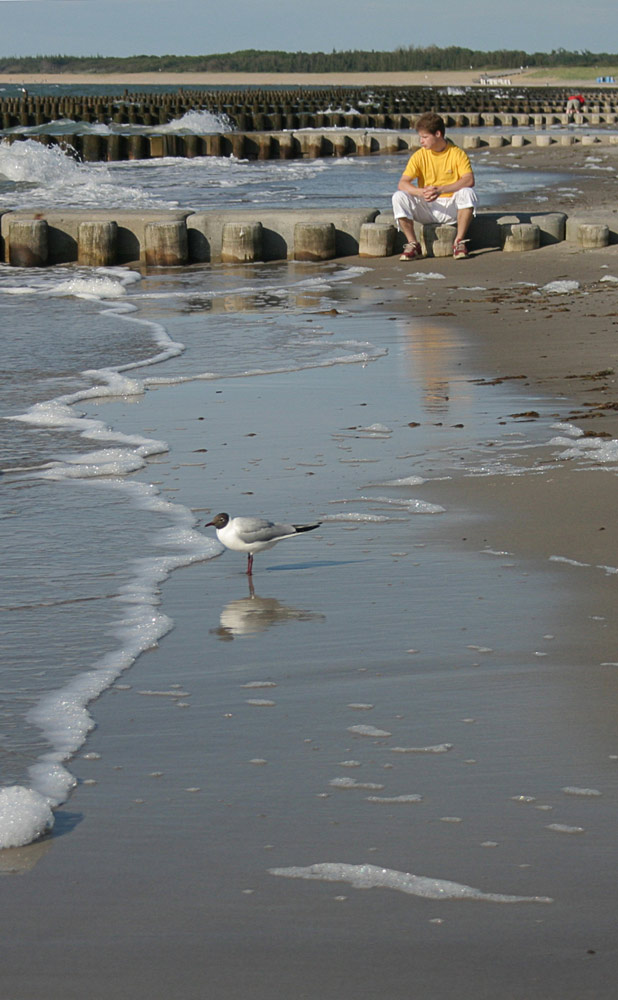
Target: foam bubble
(412,506)
(373,877)
(438,748)
(353,516)
(352,783)
(567,561)
(25,815)
(395,798)
(590,792)
(405,481)
(560,287)
(91,288)
(376,429)
(368,731)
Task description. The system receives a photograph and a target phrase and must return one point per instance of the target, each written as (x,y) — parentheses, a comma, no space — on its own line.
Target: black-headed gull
(253,534)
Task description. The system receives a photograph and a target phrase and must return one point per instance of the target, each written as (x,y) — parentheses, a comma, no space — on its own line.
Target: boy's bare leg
(464,218)
(407,228)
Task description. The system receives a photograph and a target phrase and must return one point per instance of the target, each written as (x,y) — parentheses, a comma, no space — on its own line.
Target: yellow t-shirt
(437,169)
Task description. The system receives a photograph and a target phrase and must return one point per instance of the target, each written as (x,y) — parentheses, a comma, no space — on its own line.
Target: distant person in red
(575,103)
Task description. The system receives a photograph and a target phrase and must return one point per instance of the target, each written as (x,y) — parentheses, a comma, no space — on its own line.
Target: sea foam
(24,816)
(373,877)
(62,716)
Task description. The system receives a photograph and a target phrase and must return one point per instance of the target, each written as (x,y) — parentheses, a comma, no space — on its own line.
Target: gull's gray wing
(256,529)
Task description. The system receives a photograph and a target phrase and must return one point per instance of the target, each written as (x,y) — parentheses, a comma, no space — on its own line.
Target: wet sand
(454,631)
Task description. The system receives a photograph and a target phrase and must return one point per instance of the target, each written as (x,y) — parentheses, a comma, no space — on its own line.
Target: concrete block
(314,241)
(63,229)
(205,229)
(377,239)
(517,237)
(241,242)
(165,244)
(27,243)
(96,243)
(552,226)
(437,241)
(591,235)
(311,145)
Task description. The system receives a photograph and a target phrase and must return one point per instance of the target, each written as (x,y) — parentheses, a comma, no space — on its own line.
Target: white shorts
(442,210)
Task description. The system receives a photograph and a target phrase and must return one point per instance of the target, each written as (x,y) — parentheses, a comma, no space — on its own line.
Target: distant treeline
(410,59)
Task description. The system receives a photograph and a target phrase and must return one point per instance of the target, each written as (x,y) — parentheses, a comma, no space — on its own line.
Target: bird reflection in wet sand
(253,614)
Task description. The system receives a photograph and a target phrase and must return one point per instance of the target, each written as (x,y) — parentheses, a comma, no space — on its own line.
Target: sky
(199,27)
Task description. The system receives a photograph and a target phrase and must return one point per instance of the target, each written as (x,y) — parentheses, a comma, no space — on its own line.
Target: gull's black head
(219,521)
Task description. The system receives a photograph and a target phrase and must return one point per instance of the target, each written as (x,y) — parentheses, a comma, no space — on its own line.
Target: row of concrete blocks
(177,238)
(274,122)
(283,145)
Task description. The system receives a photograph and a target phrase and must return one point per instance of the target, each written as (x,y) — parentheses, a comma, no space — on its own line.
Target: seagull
(253,534)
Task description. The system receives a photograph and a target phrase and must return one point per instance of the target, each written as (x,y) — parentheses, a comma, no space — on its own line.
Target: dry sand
(156,883)
(430,79)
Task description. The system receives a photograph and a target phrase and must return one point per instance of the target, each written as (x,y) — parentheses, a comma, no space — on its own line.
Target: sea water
(87,544)
(36,176)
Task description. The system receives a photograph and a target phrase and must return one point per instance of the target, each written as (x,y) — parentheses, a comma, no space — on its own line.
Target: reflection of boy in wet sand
(443,192)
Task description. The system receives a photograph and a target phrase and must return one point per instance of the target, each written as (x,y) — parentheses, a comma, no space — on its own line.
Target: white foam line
(62,716)
(59,412)
(438,748)
(344,274)
(373,877)
(368,353)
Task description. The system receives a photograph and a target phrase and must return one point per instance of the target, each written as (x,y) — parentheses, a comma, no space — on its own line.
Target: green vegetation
(410,59)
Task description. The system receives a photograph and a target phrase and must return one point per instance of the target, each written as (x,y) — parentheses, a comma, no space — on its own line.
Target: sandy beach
(133,81)
(480,643)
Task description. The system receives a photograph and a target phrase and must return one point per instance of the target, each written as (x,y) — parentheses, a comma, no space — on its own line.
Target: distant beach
(442,78)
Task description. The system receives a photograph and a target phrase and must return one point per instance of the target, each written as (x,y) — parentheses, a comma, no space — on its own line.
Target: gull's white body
(253,534)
